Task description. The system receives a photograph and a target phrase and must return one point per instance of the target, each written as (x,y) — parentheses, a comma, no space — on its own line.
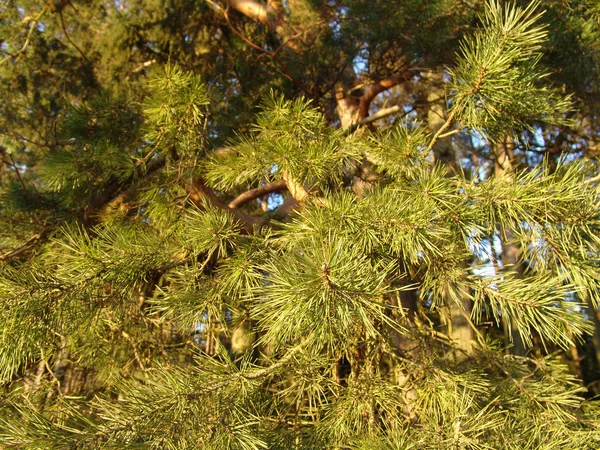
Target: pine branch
(255,193)
(377,88)
(378,115)
(28,245)
(18,172)
(23,49)
(199,190)
(117,190)
(593,179)
(297,190)
(273,55)
(251,375)
(64,28)
(440,132)
(270,17)
(256,11)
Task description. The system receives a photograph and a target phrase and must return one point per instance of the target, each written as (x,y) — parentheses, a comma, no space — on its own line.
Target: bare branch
(117,193)
(376,88)
(14,166)
(199,191)
(296,189)
(273,55)
(255,193)
(29,244)
(380,115)
(443,128)
(64,28)
(32,26)
(252,9)
(144,65)
(593,179)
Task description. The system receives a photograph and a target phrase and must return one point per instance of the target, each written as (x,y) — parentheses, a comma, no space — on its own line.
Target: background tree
(179,273)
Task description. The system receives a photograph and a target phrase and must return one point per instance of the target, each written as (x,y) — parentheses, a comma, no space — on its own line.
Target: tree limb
(254,10)
(298,191)
(593,179)
(27,39)
(440,132)
(29,244)
(64,28)
(271,16)
(378,87)
(200,191)
(273,55)
(117,192)
(255,193)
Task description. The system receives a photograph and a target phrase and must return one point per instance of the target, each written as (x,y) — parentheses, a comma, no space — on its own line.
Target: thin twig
(593,179)
(56,380)
(449,133)
(441,130)
(64,28)
(380,115)
(14,165)
(23,248)
(251,375)
(272,55)
(480,337)
(20,53)
(135,352)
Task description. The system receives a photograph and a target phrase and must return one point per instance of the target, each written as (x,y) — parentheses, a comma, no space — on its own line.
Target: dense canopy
(302,224)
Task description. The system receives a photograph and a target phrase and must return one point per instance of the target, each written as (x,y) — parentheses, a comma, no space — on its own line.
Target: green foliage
(180,321)
(289,138)
(175,111)
(496,78)
(315,289)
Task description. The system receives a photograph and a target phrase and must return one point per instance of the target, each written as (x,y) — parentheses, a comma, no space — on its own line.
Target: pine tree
(164,293)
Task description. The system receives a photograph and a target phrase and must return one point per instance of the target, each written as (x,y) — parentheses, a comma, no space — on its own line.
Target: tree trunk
(435,92)
(459,328)
(510,257)
(504,155)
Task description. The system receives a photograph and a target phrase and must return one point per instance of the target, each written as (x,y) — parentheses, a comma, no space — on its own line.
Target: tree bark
(503,166)
(443,150)
(459,328)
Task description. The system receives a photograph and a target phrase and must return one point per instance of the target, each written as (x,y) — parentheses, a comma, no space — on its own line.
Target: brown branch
(443,128)
(376,88)
(255,193)
(64,28)
(30,243)
(288,205)
(144,65)
(250,375)
(273,55)
(380,114)
(14,166)
(298,191)
(56,380)
(593,179)
(117,193)
(271,17)
(200,191)
(136,354)
(255,11)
